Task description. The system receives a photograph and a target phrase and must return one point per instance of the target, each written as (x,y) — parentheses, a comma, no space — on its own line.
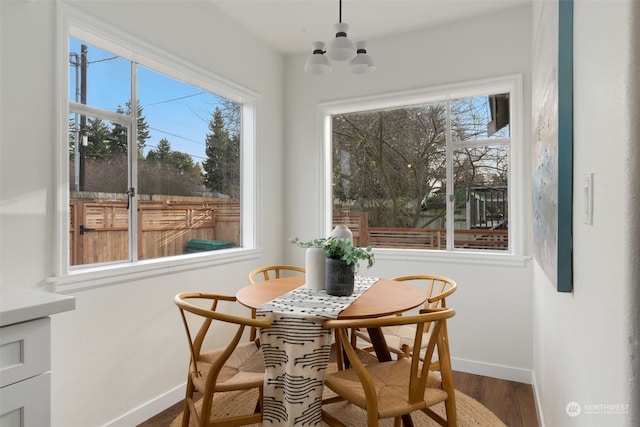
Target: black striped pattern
(294,330)
(273,356)
(296,352)
(315,360)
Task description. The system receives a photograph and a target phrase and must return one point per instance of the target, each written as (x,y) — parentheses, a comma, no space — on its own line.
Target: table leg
(379,344)
(382,351)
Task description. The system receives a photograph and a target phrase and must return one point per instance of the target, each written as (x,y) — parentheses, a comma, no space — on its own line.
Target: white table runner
(296,352)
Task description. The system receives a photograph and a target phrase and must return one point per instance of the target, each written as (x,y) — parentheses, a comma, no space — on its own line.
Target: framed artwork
(552,93)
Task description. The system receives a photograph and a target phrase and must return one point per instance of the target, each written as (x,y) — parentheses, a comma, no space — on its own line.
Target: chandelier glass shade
(341,48)
(317,63)
(362,62)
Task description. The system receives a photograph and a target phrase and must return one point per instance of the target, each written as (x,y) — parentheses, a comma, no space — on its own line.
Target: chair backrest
(438,288)
(208,314)
(269,272)
(419,371)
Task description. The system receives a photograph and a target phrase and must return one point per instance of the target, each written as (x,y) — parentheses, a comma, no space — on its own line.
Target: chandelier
(340,49)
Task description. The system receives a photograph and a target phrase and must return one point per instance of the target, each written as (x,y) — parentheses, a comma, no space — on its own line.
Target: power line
(177,136)
(76,56)
(174,99)
(103,60)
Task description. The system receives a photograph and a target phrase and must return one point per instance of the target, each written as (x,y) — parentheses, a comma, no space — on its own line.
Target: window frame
(74,23)
(511,84)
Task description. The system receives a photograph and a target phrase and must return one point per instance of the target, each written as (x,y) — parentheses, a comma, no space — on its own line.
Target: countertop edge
(19,305)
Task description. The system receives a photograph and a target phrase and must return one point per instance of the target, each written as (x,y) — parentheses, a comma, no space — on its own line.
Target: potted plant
(342,262)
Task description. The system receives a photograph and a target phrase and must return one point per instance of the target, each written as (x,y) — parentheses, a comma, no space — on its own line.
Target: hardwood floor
(511,401)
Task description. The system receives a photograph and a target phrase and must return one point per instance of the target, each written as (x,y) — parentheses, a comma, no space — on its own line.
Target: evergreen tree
(143,129)
(182,163)
(162,151)
(118,144)
(222,166)
(98,139)
(119,132)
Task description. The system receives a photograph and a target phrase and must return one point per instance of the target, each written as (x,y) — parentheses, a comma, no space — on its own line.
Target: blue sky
(173,109)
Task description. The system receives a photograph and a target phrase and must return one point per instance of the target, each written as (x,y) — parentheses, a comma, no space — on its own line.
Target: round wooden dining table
(384,298)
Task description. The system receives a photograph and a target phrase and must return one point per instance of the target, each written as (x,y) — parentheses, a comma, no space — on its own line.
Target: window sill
(106,275)
(462,257)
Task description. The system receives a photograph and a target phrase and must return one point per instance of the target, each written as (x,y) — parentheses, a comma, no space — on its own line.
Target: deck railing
(421,238)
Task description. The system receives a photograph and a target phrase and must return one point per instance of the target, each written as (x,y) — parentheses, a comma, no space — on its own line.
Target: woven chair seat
(394,388)
(391,381)
(244,368)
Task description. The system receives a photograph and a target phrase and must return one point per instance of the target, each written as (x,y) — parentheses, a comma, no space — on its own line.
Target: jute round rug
(470,411)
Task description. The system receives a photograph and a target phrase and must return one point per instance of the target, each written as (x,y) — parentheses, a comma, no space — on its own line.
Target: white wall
(121,356)
(492,331)
(583,340)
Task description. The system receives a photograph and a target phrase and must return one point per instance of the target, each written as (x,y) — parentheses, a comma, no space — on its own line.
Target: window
(428,170)
(154,155)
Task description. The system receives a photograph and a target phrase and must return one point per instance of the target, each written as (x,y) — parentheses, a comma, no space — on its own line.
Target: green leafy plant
(315,243)
(341,249)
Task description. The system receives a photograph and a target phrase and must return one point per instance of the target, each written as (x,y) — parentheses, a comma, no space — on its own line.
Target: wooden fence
(98,228)
(420,238)
(436,238)
(407,238)
(358,224)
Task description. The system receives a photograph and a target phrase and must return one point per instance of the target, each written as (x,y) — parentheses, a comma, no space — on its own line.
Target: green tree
(222,166)
(162,151)
(119,132)
(98,139)
(182,163)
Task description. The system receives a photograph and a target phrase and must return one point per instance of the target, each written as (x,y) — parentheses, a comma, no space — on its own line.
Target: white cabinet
(25,355)
(27,403)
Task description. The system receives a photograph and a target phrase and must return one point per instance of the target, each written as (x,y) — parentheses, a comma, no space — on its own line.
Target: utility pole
(74,60)
(83,119)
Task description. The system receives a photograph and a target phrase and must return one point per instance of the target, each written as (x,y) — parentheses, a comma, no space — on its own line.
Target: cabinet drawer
(25,350)
(27,403)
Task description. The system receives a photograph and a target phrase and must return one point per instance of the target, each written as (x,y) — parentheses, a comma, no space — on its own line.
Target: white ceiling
(289,26)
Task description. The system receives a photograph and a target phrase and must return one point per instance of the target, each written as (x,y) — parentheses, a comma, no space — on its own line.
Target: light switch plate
(588,198)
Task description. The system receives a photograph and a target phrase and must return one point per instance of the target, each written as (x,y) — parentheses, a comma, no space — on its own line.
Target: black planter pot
(339,278)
